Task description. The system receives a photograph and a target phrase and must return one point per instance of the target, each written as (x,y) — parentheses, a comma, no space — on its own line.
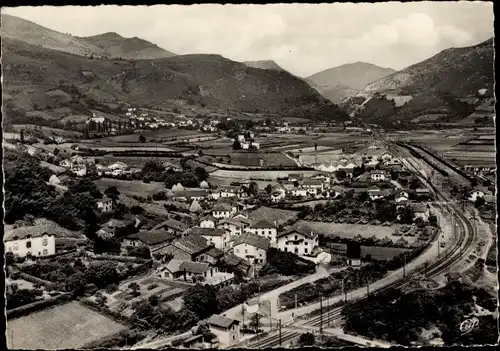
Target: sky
(301,38)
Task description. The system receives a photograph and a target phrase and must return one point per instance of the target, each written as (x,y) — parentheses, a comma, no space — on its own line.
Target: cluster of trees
(19,297)
(285,263)
(445,308)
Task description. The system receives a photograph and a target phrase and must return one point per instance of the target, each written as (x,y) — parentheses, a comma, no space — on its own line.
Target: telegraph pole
(321,313)
(279,326)
(295,301)
(404,267)
(367,288)
(438,248)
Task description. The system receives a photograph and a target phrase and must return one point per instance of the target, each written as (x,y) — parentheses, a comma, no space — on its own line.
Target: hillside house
(235,263)
(65,163)
(235,226)
(208,222)
(186,271)
(299,192)
(153,239)
(401,195)
(105,204)
(251,247)
(278,193)
(378,175)
(45,238)
(190,195)
(299,240)
(219,237)
(474,195)
(189,248)
(223,210)
(172,226)
(266,230)
(226,329)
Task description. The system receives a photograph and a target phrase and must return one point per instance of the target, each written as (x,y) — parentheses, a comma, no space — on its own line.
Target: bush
(111,288)
(152,286)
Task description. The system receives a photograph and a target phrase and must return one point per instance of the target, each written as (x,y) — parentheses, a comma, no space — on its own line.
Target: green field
(157,135)
(131,187)
(272,215)
(68,326)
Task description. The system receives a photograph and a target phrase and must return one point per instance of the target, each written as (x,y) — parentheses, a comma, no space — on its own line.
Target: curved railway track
(464,240)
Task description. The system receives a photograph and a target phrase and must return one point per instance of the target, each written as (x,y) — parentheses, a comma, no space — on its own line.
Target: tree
(9,258)
(480,201)
(135,288)
(85,186)
(201,173)
(306,339)
(268,188)
(76,284)
(236,145)
(253,189)
(22,136)
(202,300)
(363,196)
(112,192)
(255,322)
(102,274)
(142,138)
(340,174)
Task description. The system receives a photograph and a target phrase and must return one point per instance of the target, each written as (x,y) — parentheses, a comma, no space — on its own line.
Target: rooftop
(172,223)
(207,231)
(175,266)
(191,244)
(253,240)
(262,224)
(42,227)
(221,321)
(300,229)
(152,237)
(222,207)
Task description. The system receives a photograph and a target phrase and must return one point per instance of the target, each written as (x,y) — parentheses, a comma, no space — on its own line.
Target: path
(297,162)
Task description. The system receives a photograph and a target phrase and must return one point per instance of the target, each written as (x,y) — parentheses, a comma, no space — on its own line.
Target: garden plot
(349,231)
(68,326)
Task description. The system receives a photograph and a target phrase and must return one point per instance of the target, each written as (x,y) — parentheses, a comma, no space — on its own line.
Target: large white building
(219,237)
(266,230)
(226,329)
(299,240)
(251,247)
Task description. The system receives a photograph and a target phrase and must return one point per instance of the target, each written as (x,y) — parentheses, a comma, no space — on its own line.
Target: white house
(376,194)
(265,229)
(299,192)
(65,163)
(298,240)
(45,238)
(256,145)
(245,145)
(222,210)
(386,156)
(208,222)
(475,195)
(186,270)
(54,180)
(241,138)
(378,175)
(251,247)
(105,204)
(277,193)
(421,211)
(226,329)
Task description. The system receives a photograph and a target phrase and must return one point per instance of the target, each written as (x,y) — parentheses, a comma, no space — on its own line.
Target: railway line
(465,238)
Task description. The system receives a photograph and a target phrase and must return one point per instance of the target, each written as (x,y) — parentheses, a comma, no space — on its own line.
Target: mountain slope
(128,48)
(264,64)
(434,87)
(108,45)
(353,75)
(334,93)
(33,74)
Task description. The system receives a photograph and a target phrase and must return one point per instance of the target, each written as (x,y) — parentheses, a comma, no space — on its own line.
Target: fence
(37,306)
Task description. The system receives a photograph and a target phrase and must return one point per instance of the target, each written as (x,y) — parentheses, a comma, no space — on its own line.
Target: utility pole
(279,326)
(344,290)
(404,266)
(270,316)
(321,313)
(367,288)
(295,301)
(438,248)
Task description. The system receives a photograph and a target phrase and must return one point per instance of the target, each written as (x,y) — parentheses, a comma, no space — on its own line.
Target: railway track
(452,255)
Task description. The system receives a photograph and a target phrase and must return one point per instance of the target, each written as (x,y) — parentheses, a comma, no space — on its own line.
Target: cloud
(302,38)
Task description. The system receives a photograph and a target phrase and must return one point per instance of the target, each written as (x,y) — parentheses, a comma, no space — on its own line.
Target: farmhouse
(299,192)
(265,229)
(386,157)
(278,193)
(378,175)
(226,329)
(312,185)
(299,240)
(105,204)
(421,211)
(153,239)
(45,238)
(208,222)
(191,248)
(186,270)
(236,226)
(251,247)
(376,194)
(295,177)
(172,226)
(474,195)
(222,210)
(219,237)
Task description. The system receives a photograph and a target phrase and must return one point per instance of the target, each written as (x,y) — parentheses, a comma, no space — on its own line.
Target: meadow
(272,215)
(68,326)
(130,187)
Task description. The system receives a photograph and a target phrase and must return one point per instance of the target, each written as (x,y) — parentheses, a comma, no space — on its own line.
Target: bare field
(272,215)
(136,161)
(68,326)
(157,134)
(131,187)
(48,131)
(257,175)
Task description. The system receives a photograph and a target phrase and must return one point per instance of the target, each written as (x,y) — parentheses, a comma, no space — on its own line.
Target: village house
(251,247)
(266,230)
(109,228)
(54,180)
(226,329)
(235,263)
(278,193)
(385,157)
(152,239)
(421,211)
(105,204)
(235,226)
(241,138)
(299,192)
(189,195)
(378,175)
(186,270)
(376,193)
(45,238)
(295,177)
(190,248)
(214,255)
(223,210)
(219,237)
(298,240)
(312,186)
(208,222)
(172,226)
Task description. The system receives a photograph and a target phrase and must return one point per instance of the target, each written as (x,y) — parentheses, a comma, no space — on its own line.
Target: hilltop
(264,64)
(340,82)
(40,79)
(108,45)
